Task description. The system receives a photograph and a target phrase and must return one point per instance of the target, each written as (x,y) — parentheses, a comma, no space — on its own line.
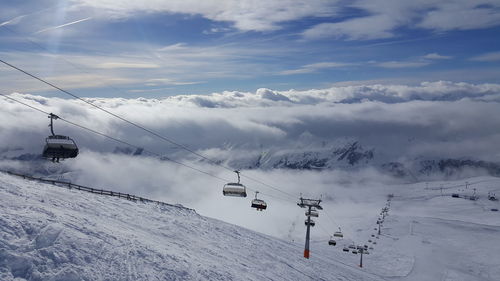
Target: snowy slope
(430,235)
(50,233)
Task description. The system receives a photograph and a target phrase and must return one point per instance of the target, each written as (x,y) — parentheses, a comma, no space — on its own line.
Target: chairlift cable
(140,127)
(135,146)
(117,140)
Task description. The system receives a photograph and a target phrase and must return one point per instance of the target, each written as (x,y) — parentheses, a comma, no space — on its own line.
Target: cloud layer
(428,121)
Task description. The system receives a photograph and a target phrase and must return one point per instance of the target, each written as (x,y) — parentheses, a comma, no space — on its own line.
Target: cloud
(442,119)
(244,15)
(308,68)
(462,15)
(402,64)
(381,18)
(111,65)
(366,28)
(436,56)
(488,57)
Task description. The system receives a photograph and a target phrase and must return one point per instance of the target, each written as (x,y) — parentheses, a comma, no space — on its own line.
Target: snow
(51,233)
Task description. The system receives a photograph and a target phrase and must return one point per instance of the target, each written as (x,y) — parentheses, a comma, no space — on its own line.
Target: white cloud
(111,65)
(245,15)
(436,56)
(488,57)
(366,28)
(462,15)
(308,68)
(443,119)
(385,17)
(403,64)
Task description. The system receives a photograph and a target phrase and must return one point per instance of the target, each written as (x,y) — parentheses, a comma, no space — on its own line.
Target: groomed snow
(51,233)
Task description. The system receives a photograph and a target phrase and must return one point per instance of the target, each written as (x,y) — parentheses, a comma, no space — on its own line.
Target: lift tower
(309,204)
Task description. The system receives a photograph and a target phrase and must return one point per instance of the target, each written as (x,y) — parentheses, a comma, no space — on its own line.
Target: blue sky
(112,48)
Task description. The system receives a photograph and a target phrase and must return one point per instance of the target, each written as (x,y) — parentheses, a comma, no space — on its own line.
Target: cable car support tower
(310,204)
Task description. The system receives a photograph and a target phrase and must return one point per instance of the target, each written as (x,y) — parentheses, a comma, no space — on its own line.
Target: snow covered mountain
(347,155)
(50,233)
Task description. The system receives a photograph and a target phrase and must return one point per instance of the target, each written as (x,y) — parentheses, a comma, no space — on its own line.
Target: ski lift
(312,213)
(354,251)
(345,249)
(57,146)
(258,203)
(235,189)
(338,233)
(311,223)
(332,242)
(352,246)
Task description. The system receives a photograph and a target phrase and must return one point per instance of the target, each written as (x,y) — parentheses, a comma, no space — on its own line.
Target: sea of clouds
(429,121)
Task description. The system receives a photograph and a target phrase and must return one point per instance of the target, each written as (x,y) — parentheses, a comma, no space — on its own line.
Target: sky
(104,48)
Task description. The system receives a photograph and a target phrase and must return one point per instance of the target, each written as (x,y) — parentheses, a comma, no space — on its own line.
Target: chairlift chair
(58,146)
(338,233)
(235,189)
(311,223)
(312,213)
(332,242)
(345,249)
(258,204)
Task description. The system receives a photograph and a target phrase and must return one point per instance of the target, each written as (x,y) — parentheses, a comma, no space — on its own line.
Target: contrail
(18,18)
(12,21)
(62,25)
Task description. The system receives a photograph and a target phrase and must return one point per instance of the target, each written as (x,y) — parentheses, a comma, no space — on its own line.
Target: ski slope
(51,233)
(429,235)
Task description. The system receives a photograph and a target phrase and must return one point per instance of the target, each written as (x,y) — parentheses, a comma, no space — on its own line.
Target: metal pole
(306,249)
(379,229)
(52,116)
(361,258)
